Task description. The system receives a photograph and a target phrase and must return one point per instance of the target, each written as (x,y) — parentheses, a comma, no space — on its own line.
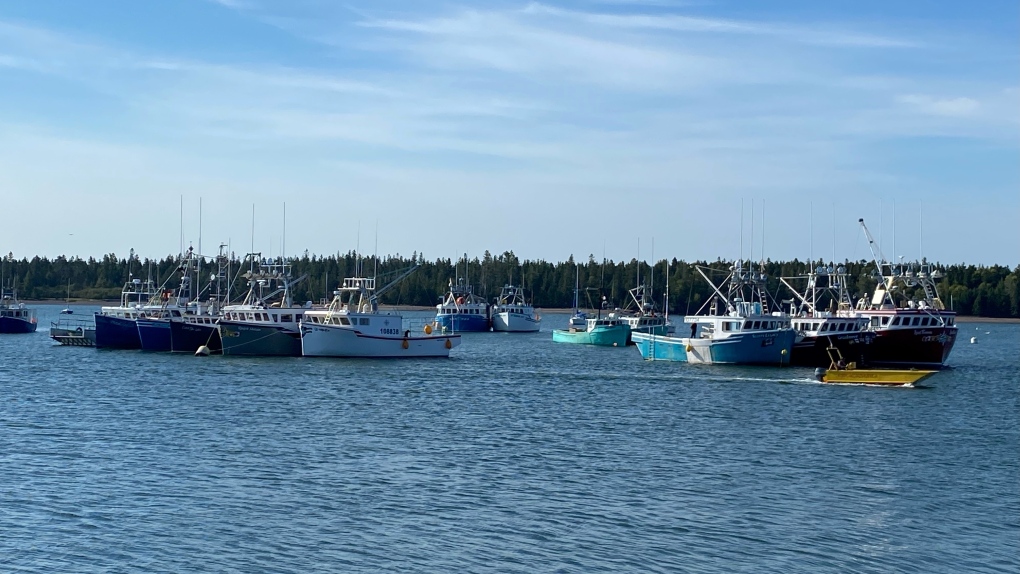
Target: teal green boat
(607,332)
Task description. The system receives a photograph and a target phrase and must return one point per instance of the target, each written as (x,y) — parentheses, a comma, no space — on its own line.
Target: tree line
(989,291)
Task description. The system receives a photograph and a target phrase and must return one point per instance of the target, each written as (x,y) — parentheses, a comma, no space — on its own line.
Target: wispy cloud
(549,104)
(953,107)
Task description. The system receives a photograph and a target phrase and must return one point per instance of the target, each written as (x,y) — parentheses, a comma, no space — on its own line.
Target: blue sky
(546,128)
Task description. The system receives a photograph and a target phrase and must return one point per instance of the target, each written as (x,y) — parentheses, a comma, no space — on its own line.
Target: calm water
(517,454)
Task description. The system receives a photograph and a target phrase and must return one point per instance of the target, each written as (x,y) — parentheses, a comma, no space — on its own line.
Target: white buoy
(973,340)
(204,351)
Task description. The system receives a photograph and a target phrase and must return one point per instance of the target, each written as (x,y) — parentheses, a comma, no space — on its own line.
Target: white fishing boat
(512,313)
(353,327)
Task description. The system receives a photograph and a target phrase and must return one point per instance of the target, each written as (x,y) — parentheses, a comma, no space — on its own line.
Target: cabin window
(896,321)
(885,321)
(286,318)
(726,326)
(824,328)
(363,321)
(917,321)
(951,322)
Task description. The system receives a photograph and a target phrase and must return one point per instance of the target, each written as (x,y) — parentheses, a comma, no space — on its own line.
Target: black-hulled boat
(824,317)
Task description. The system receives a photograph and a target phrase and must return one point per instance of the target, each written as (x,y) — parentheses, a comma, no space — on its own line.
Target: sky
(626,128)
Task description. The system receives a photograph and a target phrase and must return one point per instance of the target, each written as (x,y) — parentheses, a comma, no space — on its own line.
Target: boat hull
(610,336)
(890,377)
(813,351)
(188,337)
(116,333)
(253,340)
(154,334)
(14,326)
(340,341)
(462,323)
(515,322)
(753,348)
(658,330)
(921,347)
(655,347)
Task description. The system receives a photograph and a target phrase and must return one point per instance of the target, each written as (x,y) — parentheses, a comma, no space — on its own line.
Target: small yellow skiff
(895,377)
(840,371)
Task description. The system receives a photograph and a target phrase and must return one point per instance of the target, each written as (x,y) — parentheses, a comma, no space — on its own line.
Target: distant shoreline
(540,310)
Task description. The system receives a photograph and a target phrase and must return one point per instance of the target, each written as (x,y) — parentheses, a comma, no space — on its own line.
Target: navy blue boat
(462,310)
(115,326)
(154,334)
(188,335)
(113,332)
(15,317)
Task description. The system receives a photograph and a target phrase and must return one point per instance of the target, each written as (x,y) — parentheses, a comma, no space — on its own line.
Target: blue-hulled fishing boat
(738,328)
(15,316)
(462,310)
(115,326)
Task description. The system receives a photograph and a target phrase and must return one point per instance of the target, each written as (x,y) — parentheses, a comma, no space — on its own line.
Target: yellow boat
(895,377)
(840,371)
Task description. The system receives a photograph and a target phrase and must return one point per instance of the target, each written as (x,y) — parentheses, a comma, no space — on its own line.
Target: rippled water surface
(517,454)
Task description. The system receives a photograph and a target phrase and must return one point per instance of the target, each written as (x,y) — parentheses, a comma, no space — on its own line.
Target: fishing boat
(153,326)
(512,313)
(912,326)
(823,315)
(15,316)
(461,310)
(644,317)
(842,371)
(198,326)
(608,331)
(738,329)
(258,327)
(352,326)
(73,331)
(582,329)
(115,325)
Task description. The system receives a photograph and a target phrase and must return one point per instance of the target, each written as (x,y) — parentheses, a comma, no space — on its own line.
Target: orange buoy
(449,345)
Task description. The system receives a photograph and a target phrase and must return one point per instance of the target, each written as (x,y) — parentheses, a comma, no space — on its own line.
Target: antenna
(357,250)
(376,256)
(253,230)
(182,225)
(763,231)
(920,227)
(894,229)
(283,242)
(741,255)
(811,242)
(880,226)
(750,240)
(833,232)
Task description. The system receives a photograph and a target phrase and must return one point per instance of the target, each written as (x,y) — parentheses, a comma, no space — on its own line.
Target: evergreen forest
(988,291)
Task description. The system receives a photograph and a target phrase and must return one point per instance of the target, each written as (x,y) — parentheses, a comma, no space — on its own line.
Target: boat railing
(417,326)
(72,323)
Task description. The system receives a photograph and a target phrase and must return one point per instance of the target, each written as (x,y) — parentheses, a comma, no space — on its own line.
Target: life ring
(404,344)
(449,345)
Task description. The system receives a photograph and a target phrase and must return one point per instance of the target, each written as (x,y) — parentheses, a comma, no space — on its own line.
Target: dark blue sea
(515,455)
